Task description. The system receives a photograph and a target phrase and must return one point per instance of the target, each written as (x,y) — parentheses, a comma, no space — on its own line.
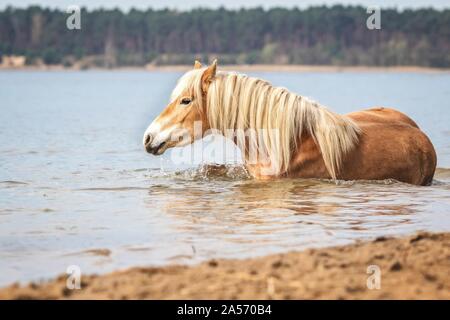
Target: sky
(188,4)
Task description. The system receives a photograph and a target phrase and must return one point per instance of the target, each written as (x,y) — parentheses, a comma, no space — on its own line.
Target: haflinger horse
(293,136)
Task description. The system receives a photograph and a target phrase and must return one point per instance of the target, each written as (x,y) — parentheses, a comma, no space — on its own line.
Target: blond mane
(239,102)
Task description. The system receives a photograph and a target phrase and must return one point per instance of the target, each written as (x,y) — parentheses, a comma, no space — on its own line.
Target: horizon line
(206,7)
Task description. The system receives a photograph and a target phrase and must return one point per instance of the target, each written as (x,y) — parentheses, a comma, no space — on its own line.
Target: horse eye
(185,101)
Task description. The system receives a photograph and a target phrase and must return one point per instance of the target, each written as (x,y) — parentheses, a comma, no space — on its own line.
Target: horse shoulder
(307,161)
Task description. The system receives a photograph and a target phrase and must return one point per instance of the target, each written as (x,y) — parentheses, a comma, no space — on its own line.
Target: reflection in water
(288,213)
(154,217)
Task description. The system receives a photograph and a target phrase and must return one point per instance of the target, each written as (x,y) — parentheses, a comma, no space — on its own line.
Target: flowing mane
(239,102)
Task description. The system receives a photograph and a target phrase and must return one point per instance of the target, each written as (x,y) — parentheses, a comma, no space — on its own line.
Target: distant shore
(413,267)
(245,68)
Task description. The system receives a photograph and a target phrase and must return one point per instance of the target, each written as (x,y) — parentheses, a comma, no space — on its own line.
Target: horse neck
(280,118)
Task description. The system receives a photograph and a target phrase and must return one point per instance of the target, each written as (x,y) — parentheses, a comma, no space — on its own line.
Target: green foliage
(317,35)
(51,56)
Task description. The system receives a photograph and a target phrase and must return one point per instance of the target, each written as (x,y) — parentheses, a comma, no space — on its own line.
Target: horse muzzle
(157,150)
(154,148)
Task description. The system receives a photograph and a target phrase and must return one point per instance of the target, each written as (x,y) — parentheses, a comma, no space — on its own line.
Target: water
(76,187)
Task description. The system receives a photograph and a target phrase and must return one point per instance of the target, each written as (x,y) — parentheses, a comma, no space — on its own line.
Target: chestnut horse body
(374,144)
(391,146)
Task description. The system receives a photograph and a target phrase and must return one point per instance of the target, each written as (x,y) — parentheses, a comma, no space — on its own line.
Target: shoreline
(411,267)
(245,68)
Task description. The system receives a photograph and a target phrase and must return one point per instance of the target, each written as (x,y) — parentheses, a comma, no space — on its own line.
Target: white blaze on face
(164,129)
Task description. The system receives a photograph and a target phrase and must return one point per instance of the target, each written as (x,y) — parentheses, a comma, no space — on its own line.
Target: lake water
(77,188)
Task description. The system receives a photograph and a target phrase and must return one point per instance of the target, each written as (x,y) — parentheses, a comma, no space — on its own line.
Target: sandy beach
(414,267)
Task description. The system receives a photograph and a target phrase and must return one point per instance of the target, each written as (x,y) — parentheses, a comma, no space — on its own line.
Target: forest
(320,35)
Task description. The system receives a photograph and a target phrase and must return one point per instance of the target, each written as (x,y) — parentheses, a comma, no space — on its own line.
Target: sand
(414,267)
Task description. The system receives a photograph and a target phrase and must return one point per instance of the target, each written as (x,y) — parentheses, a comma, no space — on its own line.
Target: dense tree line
(318,35)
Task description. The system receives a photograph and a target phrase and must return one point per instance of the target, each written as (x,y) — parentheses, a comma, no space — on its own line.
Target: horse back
(382,115)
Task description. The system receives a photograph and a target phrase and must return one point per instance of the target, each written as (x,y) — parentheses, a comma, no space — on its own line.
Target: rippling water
(76,188)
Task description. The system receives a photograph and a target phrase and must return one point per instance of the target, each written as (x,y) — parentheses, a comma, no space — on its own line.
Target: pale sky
(188,4)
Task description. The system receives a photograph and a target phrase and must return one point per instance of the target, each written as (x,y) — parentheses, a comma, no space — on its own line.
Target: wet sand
(414,267)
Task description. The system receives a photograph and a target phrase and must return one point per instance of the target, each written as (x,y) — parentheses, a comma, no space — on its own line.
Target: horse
(291,135)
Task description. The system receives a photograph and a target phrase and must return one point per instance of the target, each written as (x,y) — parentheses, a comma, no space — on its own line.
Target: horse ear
(197,64)
(209,75)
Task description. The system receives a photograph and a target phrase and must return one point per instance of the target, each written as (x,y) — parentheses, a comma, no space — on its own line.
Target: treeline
(318,35)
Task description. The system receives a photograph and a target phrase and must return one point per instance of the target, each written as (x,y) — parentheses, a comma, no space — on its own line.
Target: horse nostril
(147,139)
